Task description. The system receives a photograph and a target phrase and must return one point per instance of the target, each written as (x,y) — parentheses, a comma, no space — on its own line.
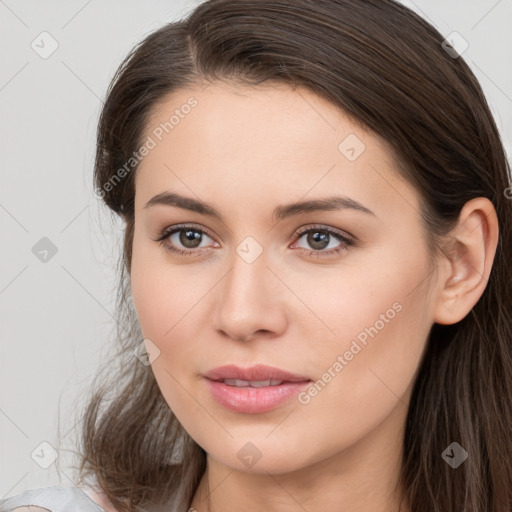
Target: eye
(321,237)
(187,236)
(187,239)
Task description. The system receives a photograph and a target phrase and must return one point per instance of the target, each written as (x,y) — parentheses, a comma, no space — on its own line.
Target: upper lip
(254,373)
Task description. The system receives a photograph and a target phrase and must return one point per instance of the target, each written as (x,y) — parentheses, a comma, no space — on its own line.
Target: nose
(250,301)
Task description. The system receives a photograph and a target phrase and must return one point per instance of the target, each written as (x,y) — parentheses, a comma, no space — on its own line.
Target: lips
(253,390)
(257,373)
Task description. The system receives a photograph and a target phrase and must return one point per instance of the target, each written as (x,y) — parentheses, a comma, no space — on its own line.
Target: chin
(259,456)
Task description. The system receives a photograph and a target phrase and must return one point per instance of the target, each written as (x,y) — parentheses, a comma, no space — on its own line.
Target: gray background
(56,315)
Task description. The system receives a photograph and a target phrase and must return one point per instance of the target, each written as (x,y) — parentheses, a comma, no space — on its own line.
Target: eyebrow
(280,213)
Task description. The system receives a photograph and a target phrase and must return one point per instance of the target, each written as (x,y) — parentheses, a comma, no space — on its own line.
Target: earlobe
(468,256)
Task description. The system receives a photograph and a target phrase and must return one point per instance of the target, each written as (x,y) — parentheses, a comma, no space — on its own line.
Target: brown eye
(319,238)
(190,238)
(184,240)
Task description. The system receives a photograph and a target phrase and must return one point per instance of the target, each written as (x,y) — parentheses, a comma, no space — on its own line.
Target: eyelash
(347,241)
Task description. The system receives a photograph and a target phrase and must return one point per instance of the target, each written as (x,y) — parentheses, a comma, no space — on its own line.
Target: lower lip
(254,400)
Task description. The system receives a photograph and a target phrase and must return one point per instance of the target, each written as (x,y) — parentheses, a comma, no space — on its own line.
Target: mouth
(253,390)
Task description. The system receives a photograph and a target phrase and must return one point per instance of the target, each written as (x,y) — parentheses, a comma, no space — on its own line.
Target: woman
(315,283)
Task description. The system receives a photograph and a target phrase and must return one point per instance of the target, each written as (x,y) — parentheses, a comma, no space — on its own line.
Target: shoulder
(99,498)
(30,508)
(57,499)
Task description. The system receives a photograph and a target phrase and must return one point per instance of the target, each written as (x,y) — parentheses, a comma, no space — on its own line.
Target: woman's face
(351,319)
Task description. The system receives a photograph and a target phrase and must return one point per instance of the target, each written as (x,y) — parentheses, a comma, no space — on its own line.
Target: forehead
(260,141)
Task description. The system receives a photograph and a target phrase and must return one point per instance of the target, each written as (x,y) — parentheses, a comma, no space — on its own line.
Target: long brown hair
(387,69)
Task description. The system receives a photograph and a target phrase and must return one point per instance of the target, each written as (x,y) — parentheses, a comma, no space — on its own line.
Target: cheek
(162,294)
(384,293)
(169,303)
(167,309)
(378,323)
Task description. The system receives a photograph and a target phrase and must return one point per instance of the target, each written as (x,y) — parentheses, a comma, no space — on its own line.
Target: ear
(467,260)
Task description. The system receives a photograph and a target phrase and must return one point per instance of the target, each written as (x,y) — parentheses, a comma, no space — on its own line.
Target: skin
(245,150)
